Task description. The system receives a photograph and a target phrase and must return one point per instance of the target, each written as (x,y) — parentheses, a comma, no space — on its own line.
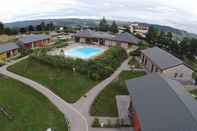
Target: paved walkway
(76,119)
(123,102)
(84,104)
(78,113)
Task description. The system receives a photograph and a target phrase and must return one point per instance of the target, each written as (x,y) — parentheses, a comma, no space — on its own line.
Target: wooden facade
(8,54)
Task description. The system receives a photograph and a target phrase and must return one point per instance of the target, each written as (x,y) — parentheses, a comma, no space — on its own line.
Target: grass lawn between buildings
(66,84)
(105,103)
(23,109)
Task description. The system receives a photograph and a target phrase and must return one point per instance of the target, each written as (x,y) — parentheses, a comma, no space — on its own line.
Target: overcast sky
(177,13)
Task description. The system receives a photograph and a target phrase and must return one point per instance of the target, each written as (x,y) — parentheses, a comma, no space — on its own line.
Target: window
(175,75)
(156,70)
(181,75)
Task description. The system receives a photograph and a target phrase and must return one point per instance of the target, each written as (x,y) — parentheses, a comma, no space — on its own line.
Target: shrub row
(97,69)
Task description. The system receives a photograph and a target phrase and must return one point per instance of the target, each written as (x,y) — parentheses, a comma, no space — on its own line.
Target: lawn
(194,93)
(66,84)
(105,103)
(23,109)
(6,38)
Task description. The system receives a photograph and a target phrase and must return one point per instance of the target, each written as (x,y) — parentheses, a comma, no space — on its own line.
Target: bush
(109,124)
(118,125)
(98,69)
(2,63)
(96,123)
(135,53)
(135,63)
(25,52)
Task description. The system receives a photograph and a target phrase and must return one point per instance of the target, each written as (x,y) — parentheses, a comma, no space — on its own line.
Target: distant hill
(75,22)
(179,33)
(72,22)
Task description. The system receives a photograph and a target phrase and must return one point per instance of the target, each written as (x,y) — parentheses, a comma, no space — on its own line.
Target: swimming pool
(83,52)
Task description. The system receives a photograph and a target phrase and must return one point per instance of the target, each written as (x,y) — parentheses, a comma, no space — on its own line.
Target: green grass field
(105,103)
(23,109)
(68,85)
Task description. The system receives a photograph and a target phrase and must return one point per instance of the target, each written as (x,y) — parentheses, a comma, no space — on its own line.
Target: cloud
(176,13)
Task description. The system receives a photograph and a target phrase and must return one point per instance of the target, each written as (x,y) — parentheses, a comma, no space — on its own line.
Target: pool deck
(60,51)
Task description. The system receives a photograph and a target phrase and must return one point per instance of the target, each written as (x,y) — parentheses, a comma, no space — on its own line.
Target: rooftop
(94,34)
(123,37)
(127,37)
(32,38)
(8,47)
(162,58)
(162,104)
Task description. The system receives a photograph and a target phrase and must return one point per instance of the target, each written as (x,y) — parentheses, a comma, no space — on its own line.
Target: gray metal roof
(162,58)
(123,37)
(162,104)
(7,47)
(94,34)
(127,37)
(32,38)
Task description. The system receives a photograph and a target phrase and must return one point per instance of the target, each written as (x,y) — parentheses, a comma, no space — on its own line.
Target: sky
(181,14)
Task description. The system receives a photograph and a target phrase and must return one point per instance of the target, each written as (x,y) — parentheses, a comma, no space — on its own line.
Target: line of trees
(7,30)
(13,31)
(41,27)
(105,26)
(166,40)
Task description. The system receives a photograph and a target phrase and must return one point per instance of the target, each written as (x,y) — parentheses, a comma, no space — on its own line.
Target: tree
(185,47)
(127,29)
(1,28)
(50,26)
(23,30)
(114,27)
(30,28)
(162,40)
(43,26)
(38,28)
(8,31)
(194,76)
(103,25)
(153,35)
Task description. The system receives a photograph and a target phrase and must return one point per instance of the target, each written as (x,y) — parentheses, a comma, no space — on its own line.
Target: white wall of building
(181,72)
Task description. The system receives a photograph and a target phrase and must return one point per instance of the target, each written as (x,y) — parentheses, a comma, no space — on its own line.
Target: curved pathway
(76,119)
(84,104)
(78,113)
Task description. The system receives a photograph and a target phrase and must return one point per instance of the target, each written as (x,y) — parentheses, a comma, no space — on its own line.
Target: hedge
(97,69)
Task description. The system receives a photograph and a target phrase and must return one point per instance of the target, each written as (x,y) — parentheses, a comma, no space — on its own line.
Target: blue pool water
(83,52)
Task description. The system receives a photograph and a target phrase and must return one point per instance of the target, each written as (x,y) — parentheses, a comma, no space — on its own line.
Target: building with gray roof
(162,58)
(127,38)
(31,41)
(161,104)
(7,50)
(94,34)
(105,38)
(8,47)
(158,60)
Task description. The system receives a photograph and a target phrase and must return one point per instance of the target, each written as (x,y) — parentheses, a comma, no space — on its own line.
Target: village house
(105,39)
(157,60)
(161,104)
(139,28)
(8,50)
(33,41)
